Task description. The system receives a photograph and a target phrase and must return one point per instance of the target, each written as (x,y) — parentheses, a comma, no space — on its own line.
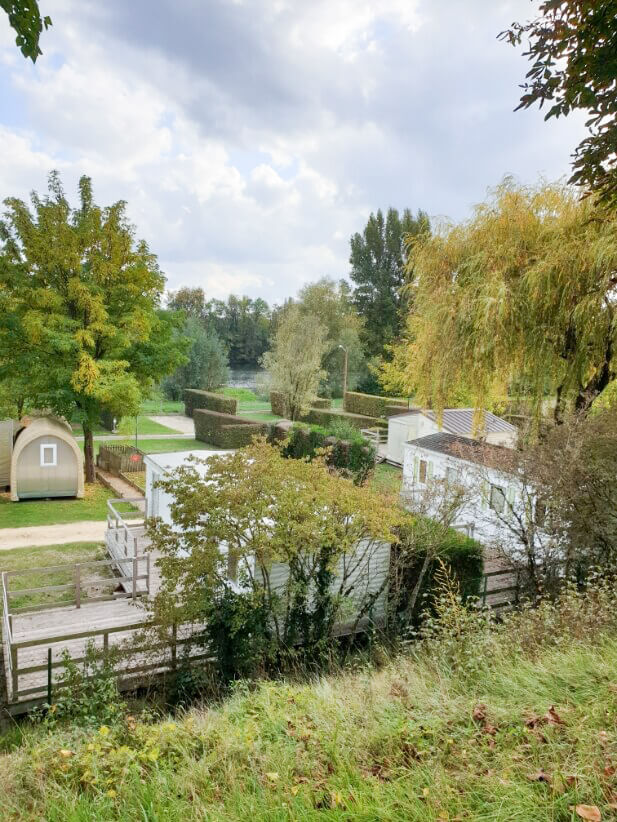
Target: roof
(28,428)
(461,421)
(175,459)
(465,448)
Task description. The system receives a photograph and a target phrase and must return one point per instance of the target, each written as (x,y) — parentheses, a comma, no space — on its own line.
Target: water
(244,378)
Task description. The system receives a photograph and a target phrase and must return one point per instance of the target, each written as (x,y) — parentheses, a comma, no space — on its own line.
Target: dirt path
(52,534)
(178,422)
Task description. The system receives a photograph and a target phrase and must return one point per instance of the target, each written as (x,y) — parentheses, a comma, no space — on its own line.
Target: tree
(80,309)
(331,302)
(190,300)
(574,66)
(295,360)
(25,18)
(270,554)
(525,292)
(378,269)
(207,366)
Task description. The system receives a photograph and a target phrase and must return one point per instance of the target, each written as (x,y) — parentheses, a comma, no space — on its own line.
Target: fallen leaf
(479,712)
(272,776)
(589,812)
(295,789)
(540,776)
(609,770)
(66,754)
(552,717)
(571,780)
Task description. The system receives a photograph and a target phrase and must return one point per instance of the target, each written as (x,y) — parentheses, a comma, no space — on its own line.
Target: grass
(386,478)
(55,511)
(161,446)
(530,736)
(160,405)
(24,559)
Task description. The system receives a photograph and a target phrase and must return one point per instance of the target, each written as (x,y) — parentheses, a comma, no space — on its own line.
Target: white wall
(404,428)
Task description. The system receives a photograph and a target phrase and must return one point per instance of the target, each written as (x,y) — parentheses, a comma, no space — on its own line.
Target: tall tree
(331,302)
(378,268)
(207,367)
(26,19)
(523,291)
(190,300)
(80,308)
(573,52)
(295,360)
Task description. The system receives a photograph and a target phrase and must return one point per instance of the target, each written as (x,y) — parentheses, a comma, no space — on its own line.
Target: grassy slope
(23,559)
(396,744)
(54,512)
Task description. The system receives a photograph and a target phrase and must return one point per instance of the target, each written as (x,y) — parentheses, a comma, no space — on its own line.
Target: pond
(244,378)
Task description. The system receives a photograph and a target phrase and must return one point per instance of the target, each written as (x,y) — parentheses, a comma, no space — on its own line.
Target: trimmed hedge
(278,404)
(194,398)
(226,430)
(355,459)
(372,406)
(321,402)
(325,417)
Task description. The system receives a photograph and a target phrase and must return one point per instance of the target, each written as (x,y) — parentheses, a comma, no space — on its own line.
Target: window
(49,456)
(452,476)
(540,513)
(497,499)
(422,472)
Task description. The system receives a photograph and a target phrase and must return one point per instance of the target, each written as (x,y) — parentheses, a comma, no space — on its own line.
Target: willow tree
(80,315)
(521,294)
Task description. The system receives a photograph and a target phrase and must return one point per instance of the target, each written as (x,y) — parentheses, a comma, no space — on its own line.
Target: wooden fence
(120,459)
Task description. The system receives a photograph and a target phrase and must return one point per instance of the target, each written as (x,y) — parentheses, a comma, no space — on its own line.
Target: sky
(252,138)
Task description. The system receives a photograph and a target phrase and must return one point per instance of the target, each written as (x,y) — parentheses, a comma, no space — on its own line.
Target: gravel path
(52,534)
(178,422)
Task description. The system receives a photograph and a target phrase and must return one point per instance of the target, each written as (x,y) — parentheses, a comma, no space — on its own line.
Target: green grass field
(24,559)
(55,511)
(387,479)
(505,735)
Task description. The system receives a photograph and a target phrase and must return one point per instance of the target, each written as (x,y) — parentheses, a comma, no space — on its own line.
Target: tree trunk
(89,452)
(416,589)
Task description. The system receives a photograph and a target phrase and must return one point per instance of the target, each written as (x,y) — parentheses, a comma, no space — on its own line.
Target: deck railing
(127,526)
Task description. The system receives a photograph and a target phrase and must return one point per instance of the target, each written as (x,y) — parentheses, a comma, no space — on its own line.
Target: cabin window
(49,456)
(497,499)
(422,472)
(452,476)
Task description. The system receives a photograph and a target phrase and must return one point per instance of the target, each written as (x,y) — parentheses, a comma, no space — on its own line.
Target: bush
(327,417)
(194,398)
(278,404)
(226,430)
(321,402)
(353,458)
(372,406)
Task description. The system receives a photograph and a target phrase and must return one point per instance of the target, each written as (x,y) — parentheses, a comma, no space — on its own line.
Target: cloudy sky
(251,138)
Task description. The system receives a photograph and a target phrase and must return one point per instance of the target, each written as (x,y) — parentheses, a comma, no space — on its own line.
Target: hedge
(194,398)
(278,404)
(325,417)
(355,459)
(461,554)
(372,406)
(321,402)
(226,430)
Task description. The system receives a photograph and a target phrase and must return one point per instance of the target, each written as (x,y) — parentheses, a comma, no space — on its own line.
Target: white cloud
(251,139)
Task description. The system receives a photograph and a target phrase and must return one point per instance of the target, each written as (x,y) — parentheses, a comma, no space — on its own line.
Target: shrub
(353,457)
(226,430)
(194,398)
(278,403)
(372,406)
(326,417)
(321,402)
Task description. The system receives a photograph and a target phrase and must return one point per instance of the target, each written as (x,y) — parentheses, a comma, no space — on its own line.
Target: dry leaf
(540,776)
(272,776)
(479,712)
(589,812)
(552,717)
(66,754)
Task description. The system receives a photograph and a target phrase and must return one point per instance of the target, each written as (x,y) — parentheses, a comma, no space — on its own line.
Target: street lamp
(342,347)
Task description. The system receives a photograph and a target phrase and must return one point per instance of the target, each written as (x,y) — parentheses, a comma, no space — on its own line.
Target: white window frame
(44,463)
(497,492)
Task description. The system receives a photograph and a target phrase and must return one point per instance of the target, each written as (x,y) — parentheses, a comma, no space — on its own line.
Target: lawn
(160,405)
(56,511)
(387,479)
(156,446)
(24,559)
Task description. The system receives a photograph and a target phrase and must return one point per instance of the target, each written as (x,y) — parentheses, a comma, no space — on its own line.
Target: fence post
(174,652)
(134,577)
(14,677)
(148,572)
(485,589)
(78,586)
(105,643)
(49,676)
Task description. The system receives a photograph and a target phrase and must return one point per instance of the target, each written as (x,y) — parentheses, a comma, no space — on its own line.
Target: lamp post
(344,373)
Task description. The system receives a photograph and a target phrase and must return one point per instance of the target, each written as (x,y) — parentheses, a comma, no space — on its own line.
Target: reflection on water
(244,378)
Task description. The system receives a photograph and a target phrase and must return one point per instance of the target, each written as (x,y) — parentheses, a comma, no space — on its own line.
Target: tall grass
(526,732)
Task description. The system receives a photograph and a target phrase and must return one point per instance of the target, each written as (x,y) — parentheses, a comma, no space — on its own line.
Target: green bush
(321,402)
(278,404)
(226,430)
(372,406)
(194,398)
(354,458)
(327,417)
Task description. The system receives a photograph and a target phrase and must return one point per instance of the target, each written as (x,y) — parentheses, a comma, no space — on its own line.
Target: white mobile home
(494,494)
(368,566)
(459,421)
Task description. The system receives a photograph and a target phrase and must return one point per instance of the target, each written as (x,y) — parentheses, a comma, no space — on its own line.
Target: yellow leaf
(295,789)
(589,812)
(272,776)
(104,730)
(111,793)
(66,754)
